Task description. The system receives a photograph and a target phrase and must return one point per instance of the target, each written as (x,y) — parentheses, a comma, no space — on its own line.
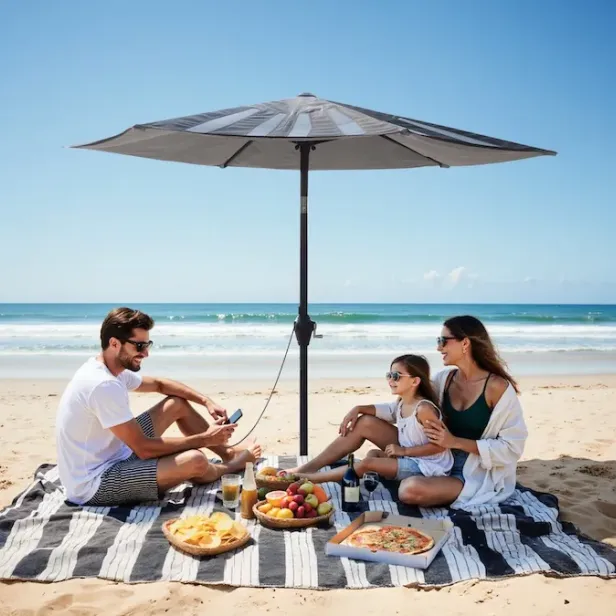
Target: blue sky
(88,226)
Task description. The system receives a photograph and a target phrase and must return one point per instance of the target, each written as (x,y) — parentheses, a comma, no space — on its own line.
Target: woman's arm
(503,449)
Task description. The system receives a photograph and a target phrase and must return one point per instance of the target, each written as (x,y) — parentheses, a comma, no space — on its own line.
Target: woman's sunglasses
(139,345)
(395,376)
(443,340)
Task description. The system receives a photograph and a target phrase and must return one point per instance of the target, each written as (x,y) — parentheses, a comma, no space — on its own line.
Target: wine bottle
(350,488)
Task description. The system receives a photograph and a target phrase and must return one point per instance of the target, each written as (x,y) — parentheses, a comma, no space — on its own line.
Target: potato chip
(208,532)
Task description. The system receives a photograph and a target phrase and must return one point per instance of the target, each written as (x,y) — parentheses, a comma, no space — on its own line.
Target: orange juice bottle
(249,492)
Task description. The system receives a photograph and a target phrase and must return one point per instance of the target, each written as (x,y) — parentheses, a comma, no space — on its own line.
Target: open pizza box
(439,530)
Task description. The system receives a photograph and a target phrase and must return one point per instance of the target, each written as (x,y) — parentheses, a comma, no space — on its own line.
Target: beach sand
(571,452)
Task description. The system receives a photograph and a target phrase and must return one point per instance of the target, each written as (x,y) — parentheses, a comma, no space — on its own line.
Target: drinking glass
(371,482)
(230,491)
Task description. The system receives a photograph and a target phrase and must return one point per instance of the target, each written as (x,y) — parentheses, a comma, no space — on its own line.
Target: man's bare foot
(227,454)
(250,452)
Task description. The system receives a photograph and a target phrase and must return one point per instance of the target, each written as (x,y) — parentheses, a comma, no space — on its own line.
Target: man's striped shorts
(129,481)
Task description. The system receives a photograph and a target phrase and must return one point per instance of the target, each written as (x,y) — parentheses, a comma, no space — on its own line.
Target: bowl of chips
(202,535)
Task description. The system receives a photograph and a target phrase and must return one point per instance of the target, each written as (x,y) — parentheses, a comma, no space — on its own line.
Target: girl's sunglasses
(443,340)
(139,345)
(395,376)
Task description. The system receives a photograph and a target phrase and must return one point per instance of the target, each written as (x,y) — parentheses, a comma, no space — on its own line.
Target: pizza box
(439,530)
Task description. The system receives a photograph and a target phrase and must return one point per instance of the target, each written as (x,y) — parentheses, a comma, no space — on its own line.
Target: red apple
(293,506)
(300,512)
(293,488)
(312,514)
(299,499)
(302,492)
(308,507)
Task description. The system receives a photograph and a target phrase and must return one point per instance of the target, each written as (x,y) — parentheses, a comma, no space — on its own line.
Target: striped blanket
(44,538)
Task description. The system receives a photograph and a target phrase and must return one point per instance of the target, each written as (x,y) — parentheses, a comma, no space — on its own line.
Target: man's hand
(218,434)
(216,411)
(394,451)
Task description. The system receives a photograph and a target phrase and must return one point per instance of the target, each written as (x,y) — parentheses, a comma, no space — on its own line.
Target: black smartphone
(235,417)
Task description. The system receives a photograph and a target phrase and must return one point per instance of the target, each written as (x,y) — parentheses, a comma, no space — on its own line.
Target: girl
(405,450)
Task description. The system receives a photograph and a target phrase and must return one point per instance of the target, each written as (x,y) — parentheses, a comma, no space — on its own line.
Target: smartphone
(235,417)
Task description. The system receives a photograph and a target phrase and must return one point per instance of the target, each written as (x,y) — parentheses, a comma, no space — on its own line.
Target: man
(105,455)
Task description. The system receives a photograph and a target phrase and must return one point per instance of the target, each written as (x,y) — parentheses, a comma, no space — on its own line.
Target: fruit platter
(275,479)
(302,504)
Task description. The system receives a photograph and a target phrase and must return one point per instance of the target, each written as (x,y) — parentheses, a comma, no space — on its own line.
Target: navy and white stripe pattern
(345,137)
(43,538)
(132,480)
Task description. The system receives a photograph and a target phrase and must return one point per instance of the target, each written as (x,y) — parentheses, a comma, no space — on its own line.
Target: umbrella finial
(306,95)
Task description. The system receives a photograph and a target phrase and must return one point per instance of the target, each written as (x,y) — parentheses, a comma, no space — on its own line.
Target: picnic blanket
(45,538)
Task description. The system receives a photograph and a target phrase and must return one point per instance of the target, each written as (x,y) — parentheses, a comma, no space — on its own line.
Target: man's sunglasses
(443,340)
(139,345)
(395,376)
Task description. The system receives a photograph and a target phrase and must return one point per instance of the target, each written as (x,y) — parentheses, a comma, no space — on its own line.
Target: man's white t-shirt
(94,401)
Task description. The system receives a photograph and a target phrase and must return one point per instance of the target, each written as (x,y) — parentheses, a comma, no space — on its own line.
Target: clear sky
(89,226)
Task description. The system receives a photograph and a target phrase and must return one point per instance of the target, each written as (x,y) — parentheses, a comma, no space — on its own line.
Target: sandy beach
(571,452)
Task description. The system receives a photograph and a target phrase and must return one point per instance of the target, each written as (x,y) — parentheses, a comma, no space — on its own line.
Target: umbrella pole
(304,326)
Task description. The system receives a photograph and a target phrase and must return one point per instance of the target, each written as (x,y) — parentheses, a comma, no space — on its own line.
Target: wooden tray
(196,550)
(289,523)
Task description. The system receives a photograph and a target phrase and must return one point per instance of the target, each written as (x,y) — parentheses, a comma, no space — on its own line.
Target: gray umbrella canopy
(265,135)
(308,133)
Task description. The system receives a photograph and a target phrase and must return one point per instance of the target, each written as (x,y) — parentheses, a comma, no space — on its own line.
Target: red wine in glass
(371,481)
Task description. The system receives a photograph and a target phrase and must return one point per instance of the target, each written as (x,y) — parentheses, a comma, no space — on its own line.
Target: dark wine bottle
(350,488)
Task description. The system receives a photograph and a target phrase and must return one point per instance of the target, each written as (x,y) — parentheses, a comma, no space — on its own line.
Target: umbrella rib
(387,138)
(234,156)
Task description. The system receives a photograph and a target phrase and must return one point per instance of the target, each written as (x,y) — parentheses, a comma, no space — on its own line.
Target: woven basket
(266,481)
(289,523)
(196,550)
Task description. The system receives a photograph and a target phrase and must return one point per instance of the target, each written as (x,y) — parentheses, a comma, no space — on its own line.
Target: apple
(307,487)
(293,506)
(324,508)
(308,507)
(300,512)
(313,500)
(299,499)
(284,503)
(312,513)
(302,492)
(281,474)
(293,488)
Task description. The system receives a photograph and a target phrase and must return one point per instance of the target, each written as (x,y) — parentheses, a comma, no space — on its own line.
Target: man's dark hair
(121,322)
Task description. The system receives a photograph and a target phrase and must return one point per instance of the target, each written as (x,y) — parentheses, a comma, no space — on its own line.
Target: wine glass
(371,481)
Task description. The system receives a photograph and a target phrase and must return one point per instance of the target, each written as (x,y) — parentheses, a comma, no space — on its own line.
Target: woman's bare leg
(429,491)
(367,427)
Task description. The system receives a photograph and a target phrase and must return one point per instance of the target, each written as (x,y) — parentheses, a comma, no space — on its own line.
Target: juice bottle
(249,492)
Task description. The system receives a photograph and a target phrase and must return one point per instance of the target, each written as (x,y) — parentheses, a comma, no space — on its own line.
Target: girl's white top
(411,434)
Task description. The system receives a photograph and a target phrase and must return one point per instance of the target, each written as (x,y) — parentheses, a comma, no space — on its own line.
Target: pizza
(391,539)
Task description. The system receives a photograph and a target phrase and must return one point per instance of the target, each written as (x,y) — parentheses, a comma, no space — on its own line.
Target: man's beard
(127,363)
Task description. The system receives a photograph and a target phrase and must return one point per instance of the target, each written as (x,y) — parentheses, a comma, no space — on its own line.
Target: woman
(483,423)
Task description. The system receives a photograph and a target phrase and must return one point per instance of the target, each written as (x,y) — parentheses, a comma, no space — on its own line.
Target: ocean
(249,340)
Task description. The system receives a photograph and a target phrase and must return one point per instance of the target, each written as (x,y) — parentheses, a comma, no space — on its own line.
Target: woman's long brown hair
(418,366)
(483,350)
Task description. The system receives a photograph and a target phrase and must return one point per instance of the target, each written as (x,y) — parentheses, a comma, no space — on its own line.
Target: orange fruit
(319,492)
(275,498)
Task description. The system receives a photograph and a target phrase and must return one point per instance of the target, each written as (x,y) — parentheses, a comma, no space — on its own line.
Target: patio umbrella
(309,133)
